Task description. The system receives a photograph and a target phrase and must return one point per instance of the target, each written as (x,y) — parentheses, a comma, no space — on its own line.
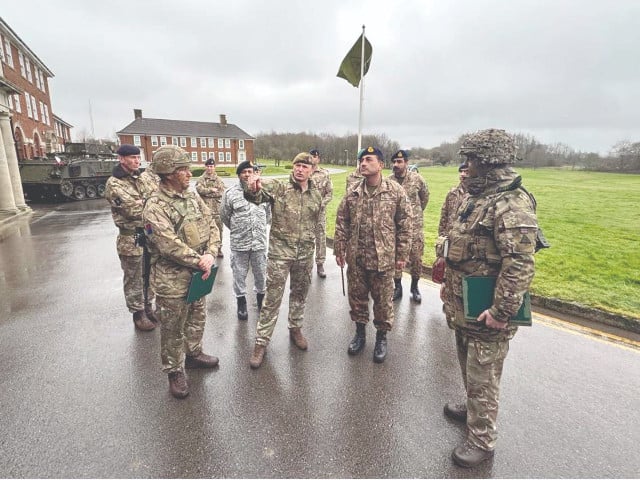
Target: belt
(124,231)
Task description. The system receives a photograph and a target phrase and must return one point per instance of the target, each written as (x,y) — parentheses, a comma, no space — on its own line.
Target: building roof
(184,128)
(8,31)
(59,120)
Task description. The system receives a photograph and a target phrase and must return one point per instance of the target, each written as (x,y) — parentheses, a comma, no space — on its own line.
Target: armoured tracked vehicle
(78,173)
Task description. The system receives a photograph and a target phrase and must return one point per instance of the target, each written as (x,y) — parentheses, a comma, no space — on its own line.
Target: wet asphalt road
(82,394)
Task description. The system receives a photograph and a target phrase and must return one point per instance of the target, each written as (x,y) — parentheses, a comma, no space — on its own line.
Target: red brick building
(224,142)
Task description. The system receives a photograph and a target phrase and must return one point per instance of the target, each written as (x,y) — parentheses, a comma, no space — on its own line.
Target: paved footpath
(82,394)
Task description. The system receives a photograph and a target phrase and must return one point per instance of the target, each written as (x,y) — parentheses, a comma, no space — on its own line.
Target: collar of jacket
(499,179)
(310,183)
(172,193)
(383,187)
(120,172)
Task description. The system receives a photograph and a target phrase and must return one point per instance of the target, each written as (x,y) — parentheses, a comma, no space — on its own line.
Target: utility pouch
(457,249)
(191,235)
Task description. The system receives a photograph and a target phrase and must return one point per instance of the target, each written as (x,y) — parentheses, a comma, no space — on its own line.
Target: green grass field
(592,221)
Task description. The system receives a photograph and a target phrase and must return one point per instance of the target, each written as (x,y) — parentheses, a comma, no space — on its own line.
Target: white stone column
(7,202)
(12,161)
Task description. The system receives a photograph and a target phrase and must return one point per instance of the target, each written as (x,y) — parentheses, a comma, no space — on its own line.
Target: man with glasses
(322,179)
(418,195)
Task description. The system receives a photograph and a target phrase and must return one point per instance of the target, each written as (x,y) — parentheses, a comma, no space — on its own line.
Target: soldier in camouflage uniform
(295,208)
(493,234)
(182,238)
(373,237)
(123,191)
(418,195)
(148,184)
(211,187)
(451,202)
(322,179)
(247,224)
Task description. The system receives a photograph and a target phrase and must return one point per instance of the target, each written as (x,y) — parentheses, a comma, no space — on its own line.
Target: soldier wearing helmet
(183,238)
(493,234)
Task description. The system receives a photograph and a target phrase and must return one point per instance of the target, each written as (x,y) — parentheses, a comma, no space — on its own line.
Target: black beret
(211,161)
(126,150)
(314,152)
(400,154)
(243,166)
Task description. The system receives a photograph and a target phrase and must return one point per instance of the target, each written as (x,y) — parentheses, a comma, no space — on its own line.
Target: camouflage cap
(491,147)
(170,157)
(303,157)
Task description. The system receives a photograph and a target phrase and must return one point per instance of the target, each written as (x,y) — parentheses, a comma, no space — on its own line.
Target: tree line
(342,150)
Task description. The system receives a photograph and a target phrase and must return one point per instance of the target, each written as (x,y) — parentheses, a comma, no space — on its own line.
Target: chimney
(223,120)
(137,113)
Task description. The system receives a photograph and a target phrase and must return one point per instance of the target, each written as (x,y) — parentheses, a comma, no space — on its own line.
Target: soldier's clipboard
(477,296)
(198,288)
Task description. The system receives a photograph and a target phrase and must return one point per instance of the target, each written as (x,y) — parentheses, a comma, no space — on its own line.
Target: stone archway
(21,146)
(37,145)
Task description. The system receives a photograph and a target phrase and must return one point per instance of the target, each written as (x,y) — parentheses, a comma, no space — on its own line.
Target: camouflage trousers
(277,273)
(321,238)
(363,282)
(132,281)
(182,328)
(414,264)
(481,365)
(218,220)
(240,262)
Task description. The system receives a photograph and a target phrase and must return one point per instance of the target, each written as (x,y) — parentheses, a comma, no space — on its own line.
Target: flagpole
(361,93)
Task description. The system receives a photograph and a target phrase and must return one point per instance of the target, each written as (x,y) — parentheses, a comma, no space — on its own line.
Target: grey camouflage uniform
(418,195)
(291,244)
(493,234)
(179,230)
(373,231)
(322,179)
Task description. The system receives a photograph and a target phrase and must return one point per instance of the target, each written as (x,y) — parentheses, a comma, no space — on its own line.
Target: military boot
(259,298)
(178,385)
(380,350)
(415,293)
(468,455)
(295,335)
(242,308)
(151,313)
(141,321)
(257,356)
(202,360)
(321,272)
(358,341)
(456,411)
(397,291)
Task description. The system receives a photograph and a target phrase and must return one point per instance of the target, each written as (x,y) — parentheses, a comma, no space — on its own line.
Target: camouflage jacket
(123,191)
(211,188)
(322,179)
(391,224)
(294,216)
(494,234)
(246,221)
(148,183)
(418,195)
(179,230)
(449,208)
(353,178)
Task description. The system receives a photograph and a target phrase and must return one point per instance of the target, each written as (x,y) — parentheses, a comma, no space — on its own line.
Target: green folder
(477,295)
(198,287)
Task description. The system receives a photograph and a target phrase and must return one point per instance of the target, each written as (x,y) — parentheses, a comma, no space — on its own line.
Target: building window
(227,143)
(212,142)
(203,142)
(28,66)
(46,114)
(23,71)
(174,141)
(194,156)
(228,156)
(2,50)
(136,140)
(10,98)
(220,157)
(27,99)
(212,155)
(183,141)
(203,156)
(7,50)
(163,141)
(154,140)
(242,157)
(16,100)
(194,142)
(241,144)
(221,143)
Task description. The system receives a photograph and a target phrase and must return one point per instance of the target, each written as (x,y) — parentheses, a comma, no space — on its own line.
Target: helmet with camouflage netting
(491,147)
(169,158)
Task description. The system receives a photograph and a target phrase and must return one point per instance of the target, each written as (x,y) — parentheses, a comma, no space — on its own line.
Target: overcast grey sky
(563,71)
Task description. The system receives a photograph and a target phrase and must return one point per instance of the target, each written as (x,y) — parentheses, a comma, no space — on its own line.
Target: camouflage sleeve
(404,227)
(515,226)
(328,192)
(218,188)
(201,186)
(213,245)
(160,231)
(122,201)
(270,189)
(443,225)
(225,210)
(343,229)
(423,193)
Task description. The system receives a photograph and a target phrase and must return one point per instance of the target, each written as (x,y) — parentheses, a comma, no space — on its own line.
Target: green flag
(350,66)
